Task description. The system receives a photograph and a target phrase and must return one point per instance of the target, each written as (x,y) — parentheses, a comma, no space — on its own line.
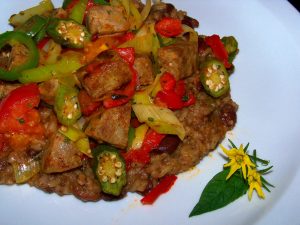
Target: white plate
(266,86)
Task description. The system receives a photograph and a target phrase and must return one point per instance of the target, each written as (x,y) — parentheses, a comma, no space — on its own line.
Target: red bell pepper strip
(218,49)
(169,100)
(42,43)
(125,37)
(173,94)
(164,186)
(20,100)
(121,97)
(168,27)
(17,113)
(127,54)
(180,88)
(168,82)
(142,155)
(87,104)
(71,5)
(89,5)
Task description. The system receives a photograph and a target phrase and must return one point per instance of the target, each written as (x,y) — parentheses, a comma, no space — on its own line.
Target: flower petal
(259,191)
(250,192)
(234,168)
(244,171)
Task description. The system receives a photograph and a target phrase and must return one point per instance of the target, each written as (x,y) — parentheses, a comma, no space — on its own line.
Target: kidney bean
(228,115)
(169,144)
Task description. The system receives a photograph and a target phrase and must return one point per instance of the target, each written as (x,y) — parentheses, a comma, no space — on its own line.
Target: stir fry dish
(100,98)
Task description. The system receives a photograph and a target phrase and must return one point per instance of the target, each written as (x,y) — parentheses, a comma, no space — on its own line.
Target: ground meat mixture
(206,124)
(56,133)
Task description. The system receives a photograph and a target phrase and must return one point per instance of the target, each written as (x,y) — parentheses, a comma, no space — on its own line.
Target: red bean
(228,115)
(169,144)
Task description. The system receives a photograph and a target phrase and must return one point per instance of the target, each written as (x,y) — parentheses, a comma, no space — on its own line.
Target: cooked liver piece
(48,90)
(105,19)
(143,66)
(179,59)
(80,182)
(19,55)
(111,126)
(6,88)
(61,155)
(107,77)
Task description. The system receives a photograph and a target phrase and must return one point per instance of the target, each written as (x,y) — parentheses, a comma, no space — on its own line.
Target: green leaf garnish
(233,182)
(264,171)
(264,162)
(232,144)
(264,181)
(219,192)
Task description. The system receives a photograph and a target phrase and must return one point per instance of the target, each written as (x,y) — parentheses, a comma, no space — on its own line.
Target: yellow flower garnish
(238,159)
(254,182)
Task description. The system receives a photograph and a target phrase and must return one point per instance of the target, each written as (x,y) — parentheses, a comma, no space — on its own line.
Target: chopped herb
(185,98)
(21,120)
(150,119)
(66,140)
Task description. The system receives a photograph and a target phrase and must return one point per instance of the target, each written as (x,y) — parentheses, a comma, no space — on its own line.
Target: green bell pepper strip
(68,64)
(33,25)
(110,169)
(66,105)
(131,136)
(214,78)
(40,35)
(11,37)
(78,11)
(66,3)
(68,32)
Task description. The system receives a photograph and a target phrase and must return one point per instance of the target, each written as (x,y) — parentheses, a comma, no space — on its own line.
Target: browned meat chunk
(18,55)
(179,59)
(80,182)
(11,57)
(48,90)
(107,20)
(6,88)
(111,126)
(161,10)
(61,155)
(49,120)
(143,66)
(138,179)
(107,77)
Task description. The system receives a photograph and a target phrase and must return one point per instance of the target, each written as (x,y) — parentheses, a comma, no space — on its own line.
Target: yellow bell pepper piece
(140,133)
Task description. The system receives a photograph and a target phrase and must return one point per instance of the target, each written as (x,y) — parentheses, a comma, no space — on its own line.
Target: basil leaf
(219,192)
